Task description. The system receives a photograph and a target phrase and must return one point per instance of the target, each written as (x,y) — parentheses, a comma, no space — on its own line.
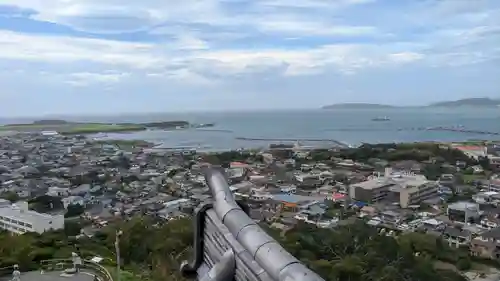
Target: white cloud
(86,78)
(405,57)
(113,16)
(322,4)
(308,28)
(189,42)
(189,53)
(228,47)
(61,49)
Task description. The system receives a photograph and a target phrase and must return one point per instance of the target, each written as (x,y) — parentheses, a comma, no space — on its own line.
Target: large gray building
(405,188)
(17,218)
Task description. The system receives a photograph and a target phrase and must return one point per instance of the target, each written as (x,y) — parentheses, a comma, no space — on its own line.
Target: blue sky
(105,56)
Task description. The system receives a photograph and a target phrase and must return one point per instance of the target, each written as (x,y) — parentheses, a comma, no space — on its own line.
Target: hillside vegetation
(353,252)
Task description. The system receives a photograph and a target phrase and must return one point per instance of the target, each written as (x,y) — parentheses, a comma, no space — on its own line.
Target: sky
(115,56)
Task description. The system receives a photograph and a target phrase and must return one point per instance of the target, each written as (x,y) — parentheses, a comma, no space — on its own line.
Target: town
(449,190)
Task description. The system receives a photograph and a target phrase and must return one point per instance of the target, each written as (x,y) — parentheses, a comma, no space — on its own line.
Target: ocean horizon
(348,126)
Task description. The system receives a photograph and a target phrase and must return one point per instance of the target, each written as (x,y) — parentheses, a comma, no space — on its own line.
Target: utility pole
(118,259)
(347,200)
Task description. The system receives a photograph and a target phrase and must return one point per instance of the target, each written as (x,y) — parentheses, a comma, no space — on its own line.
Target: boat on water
(385,118)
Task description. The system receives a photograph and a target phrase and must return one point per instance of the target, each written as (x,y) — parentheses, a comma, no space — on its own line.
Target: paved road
(51,276)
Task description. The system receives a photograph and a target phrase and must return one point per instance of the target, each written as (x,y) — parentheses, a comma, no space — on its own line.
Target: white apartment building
(17,218)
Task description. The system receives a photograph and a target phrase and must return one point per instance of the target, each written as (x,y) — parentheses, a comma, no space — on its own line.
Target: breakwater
(457,129)
(463,130)
(335,142)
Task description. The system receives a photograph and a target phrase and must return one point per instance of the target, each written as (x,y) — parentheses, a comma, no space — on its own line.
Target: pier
(336,142)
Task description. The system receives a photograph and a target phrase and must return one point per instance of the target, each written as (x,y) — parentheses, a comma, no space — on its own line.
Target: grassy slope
(91,128)
(75,128)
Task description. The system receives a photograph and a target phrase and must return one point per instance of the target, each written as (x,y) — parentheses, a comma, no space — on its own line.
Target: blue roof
(359,204)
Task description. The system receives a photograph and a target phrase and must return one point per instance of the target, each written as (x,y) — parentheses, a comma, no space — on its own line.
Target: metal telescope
(229,245)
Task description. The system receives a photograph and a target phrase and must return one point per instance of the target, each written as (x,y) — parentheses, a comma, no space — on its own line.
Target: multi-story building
(371,191)
(17,218)
(414,190)
(405,188)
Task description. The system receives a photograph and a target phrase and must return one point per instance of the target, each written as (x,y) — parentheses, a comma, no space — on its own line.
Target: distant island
(470,102)
(475,102)
(357,106)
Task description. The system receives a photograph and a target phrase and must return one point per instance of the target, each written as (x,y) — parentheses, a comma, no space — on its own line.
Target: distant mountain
(472,102)
(357,106)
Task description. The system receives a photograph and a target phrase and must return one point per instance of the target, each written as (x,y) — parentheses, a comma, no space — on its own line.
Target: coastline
(351,127)
(207,149)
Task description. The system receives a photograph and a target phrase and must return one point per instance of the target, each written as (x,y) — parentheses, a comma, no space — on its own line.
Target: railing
(4,271)
(62,264)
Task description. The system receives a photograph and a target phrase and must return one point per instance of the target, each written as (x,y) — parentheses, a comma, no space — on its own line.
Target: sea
(308,127)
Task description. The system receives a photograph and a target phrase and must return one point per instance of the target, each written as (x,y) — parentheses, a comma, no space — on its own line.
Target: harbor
(321,129)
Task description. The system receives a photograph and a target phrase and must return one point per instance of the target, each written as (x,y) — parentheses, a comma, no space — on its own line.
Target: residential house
(457,237)
(391,217)
(487,244)
(73,200)
(58,191)
(489,222)
(463,212)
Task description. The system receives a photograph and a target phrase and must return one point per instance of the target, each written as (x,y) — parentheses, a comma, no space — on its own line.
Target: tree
(74,210)
(354,252)
(72,228)
(468,171)
(432,171)
(9,195)
(484,162)
(358,252)
(46,203)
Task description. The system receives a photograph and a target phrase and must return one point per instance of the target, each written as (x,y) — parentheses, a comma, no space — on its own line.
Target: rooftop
(292,198)
(462,206)
(403,180)
(374,183)
(469,147)
(20,211)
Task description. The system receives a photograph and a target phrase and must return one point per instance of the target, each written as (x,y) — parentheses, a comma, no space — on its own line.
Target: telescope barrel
(263,249)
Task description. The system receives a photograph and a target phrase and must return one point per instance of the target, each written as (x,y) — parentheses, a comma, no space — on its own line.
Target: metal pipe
(117,249)
(268,253)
